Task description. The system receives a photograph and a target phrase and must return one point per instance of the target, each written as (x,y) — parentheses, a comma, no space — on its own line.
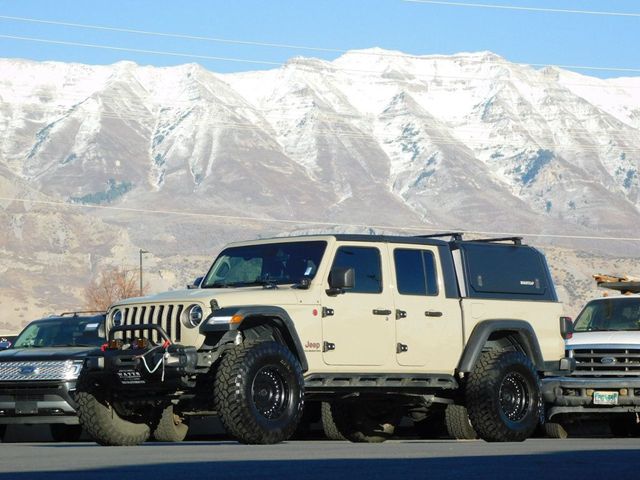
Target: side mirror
(196,283)
(4,344)
(566,327)
(341,279)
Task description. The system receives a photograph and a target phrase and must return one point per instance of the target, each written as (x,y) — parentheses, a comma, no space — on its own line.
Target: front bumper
(37,402)
(574,394)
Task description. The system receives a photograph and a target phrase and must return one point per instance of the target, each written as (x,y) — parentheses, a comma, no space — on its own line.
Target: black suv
(38,372)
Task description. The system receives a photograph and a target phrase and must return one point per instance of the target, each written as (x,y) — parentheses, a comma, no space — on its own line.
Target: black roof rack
(457,236)
(515,240)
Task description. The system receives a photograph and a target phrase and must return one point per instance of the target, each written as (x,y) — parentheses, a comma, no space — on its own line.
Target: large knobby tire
(101,420)
(456,418)
(328,424)
(555,430)
(503,396)
(170,427)
(259,392)
(65,433)
(365,421)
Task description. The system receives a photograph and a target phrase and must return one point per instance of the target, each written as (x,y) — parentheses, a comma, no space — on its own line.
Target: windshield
(265,264)
(611,314)
(62,332)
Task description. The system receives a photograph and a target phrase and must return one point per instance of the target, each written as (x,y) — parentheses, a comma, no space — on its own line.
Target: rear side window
(415,272)
(366,263)
(506,271)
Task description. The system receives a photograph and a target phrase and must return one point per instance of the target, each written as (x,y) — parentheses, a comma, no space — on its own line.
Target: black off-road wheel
(101,420)
(456,418)
(170,427)
(503,396)
(365,420)
(259,392)
(65,433)
(555,430)
(328,425)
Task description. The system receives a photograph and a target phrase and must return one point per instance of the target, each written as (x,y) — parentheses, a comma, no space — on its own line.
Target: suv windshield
(62,332)
(611,314)
(265,264)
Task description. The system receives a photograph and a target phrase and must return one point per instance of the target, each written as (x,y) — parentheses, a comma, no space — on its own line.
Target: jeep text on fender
(376,327)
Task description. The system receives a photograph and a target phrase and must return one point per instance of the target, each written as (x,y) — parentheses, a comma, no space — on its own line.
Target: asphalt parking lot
(588,458)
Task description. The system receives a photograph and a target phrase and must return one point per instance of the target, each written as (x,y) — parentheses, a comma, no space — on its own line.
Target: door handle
(431,313)
(381,312)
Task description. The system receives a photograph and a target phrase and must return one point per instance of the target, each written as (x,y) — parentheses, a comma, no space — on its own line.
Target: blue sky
(415,28)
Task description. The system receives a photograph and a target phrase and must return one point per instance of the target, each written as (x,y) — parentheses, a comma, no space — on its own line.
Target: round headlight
(116,318)
(192,316)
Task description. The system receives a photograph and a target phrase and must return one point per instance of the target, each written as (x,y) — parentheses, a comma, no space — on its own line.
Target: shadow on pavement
(598,464)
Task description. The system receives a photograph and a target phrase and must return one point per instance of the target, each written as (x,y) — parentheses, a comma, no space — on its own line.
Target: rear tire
(328,424)
(459,426)
(503,396)
(3,431)
(259,392)
(65,433)
(555,430)
(102,422)
(170,427)
(366,421)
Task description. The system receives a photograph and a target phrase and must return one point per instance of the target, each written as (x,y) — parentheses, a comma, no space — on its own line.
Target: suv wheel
(456,418)
(365,421)
(170,427)
(259,392)
(102,421)
(503,396)
(328,424)
(65,433)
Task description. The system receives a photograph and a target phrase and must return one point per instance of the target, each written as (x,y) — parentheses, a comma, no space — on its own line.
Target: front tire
(503,396)
(555,430)
(102,421)
(170,427)
(259,392)
(365,421)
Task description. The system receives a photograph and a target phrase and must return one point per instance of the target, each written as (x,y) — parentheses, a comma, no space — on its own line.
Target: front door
(358,325)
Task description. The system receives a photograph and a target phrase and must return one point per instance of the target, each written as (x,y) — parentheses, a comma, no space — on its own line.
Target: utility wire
(267,62)
(527,9)
(248,219)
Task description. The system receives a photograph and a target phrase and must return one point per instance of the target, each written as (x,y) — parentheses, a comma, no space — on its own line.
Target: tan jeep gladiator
(377,326)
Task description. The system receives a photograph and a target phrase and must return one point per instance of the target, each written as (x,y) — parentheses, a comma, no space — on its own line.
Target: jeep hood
(258,295)
(625,337)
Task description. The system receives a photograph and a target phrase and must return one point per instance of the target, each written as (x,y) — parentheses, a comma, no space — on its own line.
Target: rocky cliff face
(93,160)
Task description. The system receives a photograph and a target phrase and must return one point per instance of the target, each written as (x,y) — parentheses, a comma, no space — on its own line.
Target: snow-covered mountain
(375,138)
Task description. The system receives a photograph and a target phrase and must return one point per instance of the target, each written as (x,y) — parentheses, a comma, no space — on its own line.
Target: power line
(526,9)
(267,62)
(314,223)
(138,50)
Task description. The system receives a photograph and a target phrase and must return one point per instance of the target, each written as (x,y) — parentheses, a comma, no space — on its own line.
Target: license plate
(605,398)
(130,377)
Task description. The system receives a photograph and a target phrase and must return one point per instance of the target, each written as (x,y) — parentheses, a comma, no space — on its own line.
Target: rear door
(428,324)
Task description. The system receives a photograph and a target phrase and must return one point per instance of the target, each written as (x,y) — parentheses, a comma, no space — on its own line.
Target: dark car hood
(51,353)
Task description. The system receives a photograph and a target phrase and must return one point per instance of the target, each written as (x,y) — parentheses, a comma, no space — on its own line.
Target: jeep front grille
(607,362)
(164,315)
(39,370)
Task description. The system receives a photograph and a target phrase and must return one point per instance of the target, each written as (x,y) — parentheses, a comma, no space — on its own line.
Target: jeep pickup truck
(377,326)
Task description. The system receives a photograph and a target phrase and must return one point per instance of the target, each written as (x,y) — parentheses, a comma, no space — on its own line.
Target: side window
(415,272)
(366,263)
